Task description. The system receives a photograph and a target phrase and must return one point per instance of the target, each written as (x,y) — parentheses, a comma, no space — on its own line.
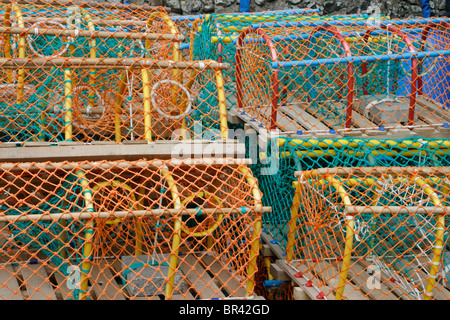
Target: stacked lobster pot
(117,180)
(354,116)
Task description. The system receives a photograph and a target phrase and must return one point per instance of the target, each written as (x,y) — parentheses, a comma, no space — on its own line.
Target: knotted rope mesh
(347,221)
(344,75)
(153,229)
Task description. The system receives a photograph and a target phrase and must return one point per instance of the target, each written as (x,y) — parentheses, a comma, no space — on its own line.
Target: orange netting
(124,230)
(371,233)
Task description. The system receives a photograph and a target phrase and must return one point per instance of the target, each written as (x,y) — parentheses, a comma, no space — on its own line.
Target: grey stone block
(147,278)
(382,109)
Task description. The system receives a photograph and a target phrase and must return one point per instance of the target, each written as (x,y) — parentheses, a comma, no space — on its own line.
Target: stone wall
(392,8)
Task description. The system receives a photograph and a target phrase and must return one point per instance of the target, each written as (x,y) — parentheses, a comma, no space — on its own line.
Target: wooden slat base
(297,123)
(359,284)
(206,278)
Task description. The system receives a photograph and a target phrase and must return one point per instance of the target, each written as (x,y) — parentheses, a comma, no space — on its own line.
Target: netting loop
(153,94)
(212,224)
(30,40)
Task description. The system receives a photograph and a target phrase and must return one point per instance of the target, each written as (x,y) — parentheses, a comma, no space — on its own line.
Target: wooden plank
(358,275)
(252,122)
(37,282)
(278,273)
(62,290)
(331,275)
(427,116)
(117,269)
(233,117)
(421,123)
(299,113)
(266,251)
(275,247)
(443,132)
(359,118)
(390,286)
(103,283)
(9,286)
(352,290)
(299,294)
(434,108)
(386,280)
(332,123)
(197,276)
(231,285)
(287,111)
(125,151)
(316,274)
(425,130)
(309,290)
(283,123)
(318,270)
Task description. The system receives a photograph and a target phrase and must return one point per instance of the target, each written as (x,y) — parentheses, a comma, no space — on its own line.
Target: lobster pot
(26,93)
(289,155)
(93,17)
(122,230)
(433,83)
(34,193)
(38,95)
(92,100)
(339,76)
(216,38)
(151,104)
(268,93)
(390,223)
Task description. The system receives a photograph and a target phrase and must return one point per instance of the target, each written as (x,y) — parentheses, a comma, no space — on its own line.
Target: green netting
(276,176)
(206,111)
(30,119)
(47,236)
(399,239)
